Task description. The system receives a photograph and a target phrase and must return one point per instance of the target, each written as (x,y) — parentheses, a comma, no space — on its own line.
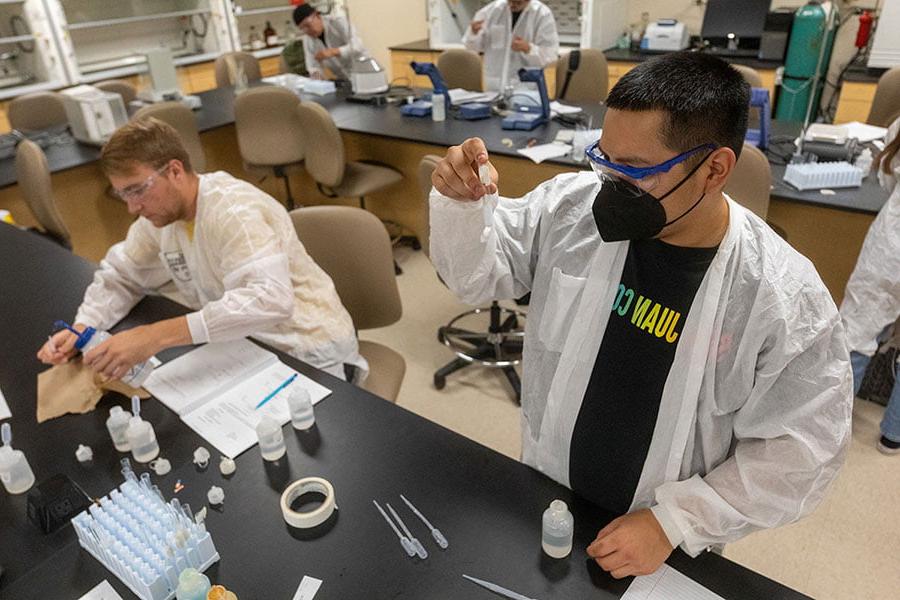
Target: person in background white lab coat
(512,34)
(683,365)
(328,41)
(872,299)
(216,244)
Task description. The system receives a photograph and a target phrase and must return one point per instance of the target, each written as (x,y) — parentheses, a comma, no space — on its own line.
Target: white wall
(385,23)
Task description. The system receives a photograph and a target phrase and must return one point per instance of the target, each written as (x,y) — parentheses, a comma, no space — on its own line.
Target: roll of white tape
(317,516)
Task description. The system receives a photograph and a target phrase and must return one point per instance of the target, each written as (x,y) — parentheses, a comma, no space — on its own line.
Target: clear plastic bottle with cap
(192,585)
(91,338)
(438,107)
(141,437)
(558,526)
(271,439)
(300,404)
(15,472)
(117,424)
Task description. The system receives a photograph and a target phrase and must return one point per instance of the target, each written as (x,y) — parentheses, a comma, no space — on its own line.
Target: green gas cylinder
(810,30)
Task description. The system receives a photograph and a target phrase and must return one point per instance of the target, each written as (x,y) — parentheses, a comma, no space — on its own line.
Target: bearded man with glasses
(683,366)
(216,244)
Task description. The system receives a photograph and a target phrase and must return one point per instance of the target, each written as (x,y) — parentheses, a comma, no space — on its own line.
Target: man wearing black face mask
(683,365)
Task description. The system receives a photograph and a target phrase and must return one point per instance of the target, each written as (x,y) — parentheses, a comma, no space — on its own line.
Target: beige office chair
(119,86)
(182,119)
(749,74)
(494,342)
(33,178)
(226,65)
(460,68)
(886,102)
(269,134)
(751,181)
(37,111)
(361,266)
(589,82)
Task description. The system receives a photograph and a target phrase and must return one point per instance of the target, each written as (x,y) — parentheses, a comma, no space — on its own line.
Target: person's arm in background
(474,37)
(544,49)
(309,54)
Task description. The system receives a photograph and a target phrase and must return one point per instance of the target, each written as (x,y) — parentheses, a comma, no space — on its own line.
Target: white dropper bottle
(117,424)
(15,472)
(558,528)
(140,434)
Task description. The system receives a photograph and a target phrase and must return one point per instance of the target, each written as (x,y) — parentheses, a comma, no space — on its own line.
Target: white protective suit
(338,34)
(872,299)
(754,419)
(240,267)
(536,25)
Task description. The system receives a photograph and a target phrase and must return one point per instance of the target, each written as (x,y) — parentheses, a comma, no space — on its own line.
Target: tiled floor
(847,549)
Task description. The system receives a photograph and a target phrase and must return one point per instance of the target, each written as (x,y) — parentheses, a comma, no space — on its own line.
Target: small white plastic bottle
(15,472)
(141,437)
(117,424)
(301,407)
(271,439)
(558,526)
(438,107)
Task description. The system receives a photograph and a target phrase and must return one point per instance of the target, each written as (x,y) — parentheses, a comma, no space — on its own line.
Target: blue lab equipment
(422,108)
(759,98)
(526,121)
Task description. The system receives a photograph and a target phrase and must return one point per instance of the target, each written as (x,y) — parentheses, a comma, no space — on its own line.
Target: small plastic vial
(15,472)
(141,437)
(438,108)
(91,338)
(558,527)
(192,585)
(271,440)
(301,407)
(117,424)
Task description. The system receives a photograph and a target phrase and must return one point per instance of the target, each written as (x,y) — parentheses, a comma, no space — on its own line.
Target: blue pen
(274,393)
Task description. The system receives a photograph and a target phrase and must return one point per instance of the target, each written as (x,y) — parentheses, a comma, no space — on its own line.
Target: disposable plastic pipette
(420,549)
(498,589)
(435,532)
(404,541)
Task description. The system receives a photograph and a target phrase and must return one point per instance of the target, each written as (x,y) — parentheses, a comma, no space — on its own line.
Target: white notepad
(667,584)
(5,413)
(215,390)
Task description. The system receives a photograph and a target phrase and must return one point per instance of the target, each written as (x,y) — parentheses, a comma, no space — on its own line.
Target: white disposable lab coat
(240,267)
(338,34)
(501,64)
(872,298)
(754,419)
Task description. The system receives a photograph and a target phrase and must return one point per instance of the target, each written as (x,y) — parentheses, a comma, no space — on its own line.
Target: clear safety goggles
(136,191)
(634,181)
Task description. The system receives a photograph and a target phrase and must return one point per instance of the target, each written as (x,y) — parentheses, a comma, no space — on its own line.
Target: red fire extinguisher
(865,28)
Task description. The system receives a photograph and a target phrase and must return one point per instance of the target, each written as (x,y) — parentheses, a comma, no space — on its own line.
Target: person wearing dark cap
(329,42)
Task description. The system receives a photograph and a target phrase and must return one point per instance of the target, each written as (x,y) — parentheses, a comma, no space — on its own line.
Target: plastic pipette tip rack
(143,540)
(815,176)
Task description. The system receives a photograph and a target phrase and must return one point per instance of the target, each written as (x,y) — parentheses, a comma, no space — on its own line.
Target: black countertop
(487,505)
(386,121)
(863,74)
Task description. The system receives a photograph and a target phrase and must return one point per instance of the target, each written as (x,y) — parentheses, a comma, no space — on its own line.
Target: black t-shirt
(515,18)
(322,37)
(618,414)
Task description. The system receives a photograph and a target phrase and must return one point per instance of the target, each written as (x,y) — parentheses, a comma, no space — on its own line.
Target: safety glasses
(136,191)
(630,180)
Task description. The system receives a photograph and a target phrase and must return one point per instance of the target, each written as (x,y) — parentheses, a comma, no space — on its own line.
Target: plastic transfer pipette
(420,549)
(404,541)
(498,589)
(489,201)
(435,532)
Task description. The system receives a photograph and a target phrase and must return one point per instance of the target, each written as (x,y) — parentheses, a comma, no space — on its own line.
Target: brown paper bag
(73,388)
